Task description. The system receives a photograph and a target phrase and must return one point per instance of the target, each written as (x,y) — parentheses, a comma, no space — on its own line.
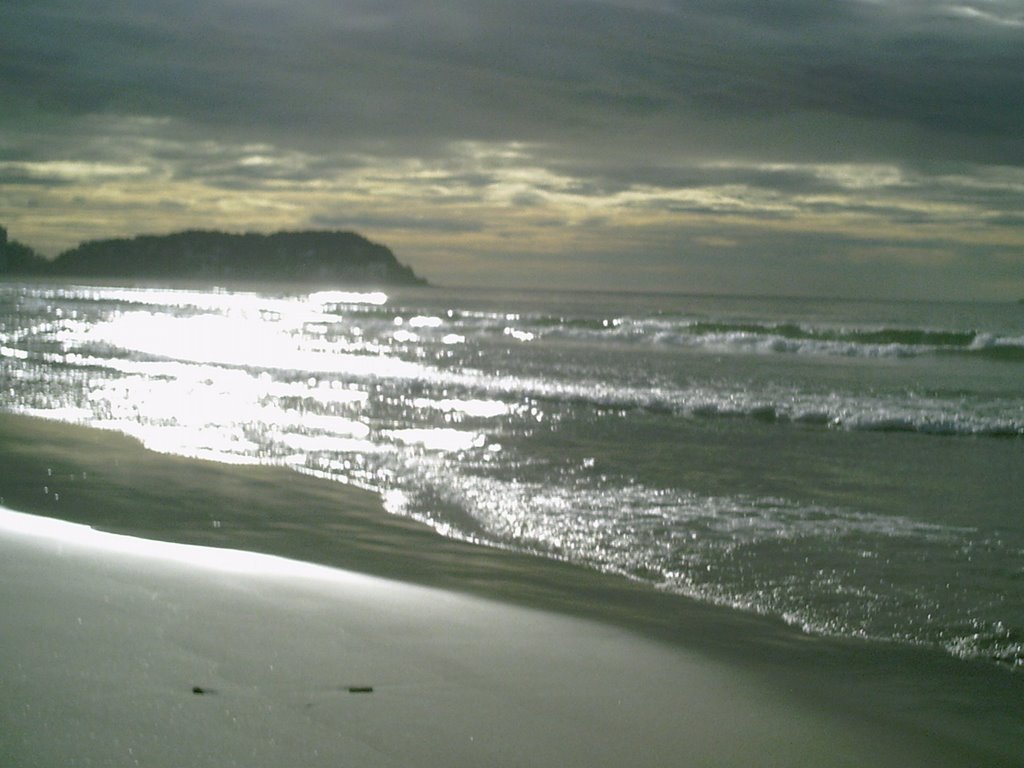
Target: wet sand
(553,664)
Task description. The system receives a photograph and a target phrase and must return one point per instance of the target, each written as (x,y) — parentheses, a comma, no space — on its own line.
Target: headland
(332,257)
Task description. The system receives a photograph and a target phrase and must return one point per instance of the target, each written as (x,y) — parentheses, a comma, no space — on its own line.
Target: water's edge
(110,482)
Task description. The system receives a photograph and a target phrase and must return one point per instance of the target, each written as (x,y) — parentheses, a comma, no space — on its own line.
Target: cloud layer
(713,145)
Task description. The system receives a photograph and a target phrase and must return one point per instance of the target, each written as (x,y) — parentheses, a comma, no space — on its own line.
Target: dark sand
(916,707)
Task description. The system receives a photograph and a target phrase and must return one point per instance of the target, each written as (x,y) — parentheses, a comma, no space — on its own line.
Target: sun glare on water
(247,378)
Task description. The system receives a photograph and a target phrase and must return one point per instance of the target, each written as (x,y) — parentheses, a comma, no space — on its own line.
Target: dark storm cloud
(687,75)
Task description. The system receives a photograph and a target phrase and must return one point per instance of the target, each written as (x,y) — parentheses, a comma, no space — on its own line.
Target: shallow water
(851,467)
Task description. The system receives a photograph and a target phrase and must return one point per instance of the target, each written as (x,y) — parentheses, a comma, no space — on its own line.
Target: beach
(174,658)
(400,647)
(556,384)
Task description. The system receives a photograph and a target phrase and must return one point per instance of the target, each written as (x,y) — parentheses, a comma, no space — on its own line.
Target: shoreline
(149,653)
(951,711)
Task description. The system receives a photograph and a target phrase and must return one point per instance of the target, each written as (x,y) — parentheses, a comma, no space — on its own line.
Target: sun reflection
(519,335)
(484,409)
(444,440)
(65,534)
(375,298)
(248,378)
(222,445)
(405,337)
(17,354)
(422,321)
(239,342)
(308,443)
(324,393)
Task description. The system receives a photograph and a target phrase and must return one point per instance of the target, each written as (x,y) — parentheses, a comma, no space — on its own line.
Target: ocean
(853,468)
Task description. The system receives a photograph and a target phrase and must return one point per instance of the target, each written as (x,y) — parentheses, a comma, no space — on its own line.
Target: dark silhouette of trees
(315,256)
(17,258)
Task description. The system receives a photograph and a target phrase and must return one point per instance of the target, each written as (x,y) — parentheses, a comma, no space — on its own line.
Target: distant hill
(17,258)
(314,256)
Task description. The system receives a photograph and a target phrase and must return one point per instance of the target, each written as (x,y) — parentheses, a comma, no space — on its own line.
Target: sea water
(854,468)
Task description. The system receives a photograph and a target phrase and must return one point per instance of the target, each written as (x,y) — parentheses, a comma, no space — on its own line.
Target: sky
(858,148)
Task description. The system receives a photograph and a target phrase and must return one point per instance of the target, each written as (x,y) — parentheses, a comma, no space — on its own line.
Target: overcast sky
(831,147)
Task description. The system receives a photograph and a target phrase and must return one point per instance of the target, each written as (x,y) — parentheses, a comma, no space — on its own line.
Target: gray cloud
(19,176)
(415,223)
(543,71)
(739,102)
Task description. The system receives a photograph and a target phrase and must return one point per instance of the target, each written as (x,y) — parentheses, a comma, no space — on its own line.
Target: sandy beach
(186,655)
(358,638)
